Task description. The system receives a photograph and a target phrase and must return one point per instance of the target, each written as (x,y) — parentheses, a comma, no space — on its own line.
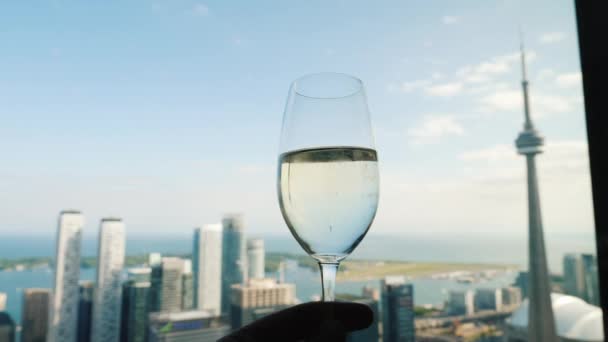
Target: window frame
(592,25)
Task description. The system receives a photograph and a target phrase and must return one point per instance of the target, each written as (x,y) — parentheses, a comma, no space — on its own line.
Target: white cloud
(410,86)
(552,37)
(200,10)
(490,154)
(433,129)
(541,104)
(490,69)
(569,80)
(450,19)
(503,100)
(545,74)
(444,90)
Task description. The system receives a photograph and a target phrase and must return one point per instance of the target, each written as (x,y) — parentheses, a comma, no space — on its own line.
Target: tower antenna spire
(524,82)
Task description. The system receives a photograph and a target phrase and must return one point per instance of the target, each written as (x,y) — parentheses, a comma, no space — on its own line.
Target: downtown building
(511,297)
(86,289)
(187,286)
(108,289)
(234,263)
(35,315)
(207,268)
(461,303)
(259,298)
(488,299)
(135,305)
(256,258)
(63,313)
(7,327)
(397,310)
(581,277)
(167,285)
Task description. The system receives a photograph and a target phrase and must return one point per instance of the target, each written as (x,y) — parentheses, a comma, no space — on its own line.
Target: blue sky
(167,113)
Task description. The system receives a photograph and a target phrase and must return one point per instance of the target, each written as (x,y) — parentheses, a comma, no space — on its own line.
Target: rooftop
(180,316)
(574,318)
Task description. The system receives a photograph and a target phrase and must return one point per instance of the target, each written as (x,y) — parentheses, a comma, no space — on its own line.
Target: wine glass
(328,180)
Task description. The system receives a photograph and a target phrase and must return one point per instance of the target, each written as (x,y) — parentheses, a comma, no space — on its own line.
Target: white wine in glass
(328,181)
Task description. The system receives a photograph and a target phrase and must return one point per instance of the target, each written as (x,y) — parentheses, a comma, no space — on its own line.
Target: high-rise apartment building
(488,299)
(187,286)
(108,289)
(574,275)
(35,315)
(207,268)
(256,258)
(135,305)
(258,298)
(7,327)
(234,263)
(63,315)
(167,285)
(186,326)
(580,277)
(86,290)
(511,297)
(592,290)
(154,262)
(461,302)
(397,310)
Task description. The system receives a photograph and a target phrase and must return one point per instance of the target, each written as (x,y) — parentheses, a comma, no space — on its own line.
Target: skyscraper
(234,263)
(35,315)
(488,299)
(521,282)
(529,143)
(592,290)
(461,302)
(135,305)
(2,301)
(511,297)
(574,275)
(108,290)
(154,261)
(7,328)
(207,268)
(258,298)
(170,284)
(187,286)
(85,310)
(255,258)
(397,310)
(63,314)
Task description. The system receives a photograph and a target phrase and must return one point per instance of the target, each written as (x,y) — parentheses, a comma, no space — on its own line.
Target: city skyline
(443,115)
(257,297)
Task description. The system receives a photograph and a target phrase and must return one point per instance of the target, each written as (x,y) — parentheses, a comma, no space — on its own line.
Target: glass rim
(358,85)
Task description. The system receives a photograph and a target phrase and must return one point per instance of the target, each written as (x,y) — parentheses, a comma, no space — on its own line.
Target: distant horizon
(464,248)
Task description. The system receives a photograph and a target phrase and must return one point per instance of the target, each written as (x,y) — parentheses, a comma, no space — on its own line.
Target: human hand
(315,321)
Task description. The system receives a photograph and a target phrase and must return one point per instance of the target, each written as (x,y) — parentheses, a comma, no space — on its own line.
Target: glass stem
(328,280)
